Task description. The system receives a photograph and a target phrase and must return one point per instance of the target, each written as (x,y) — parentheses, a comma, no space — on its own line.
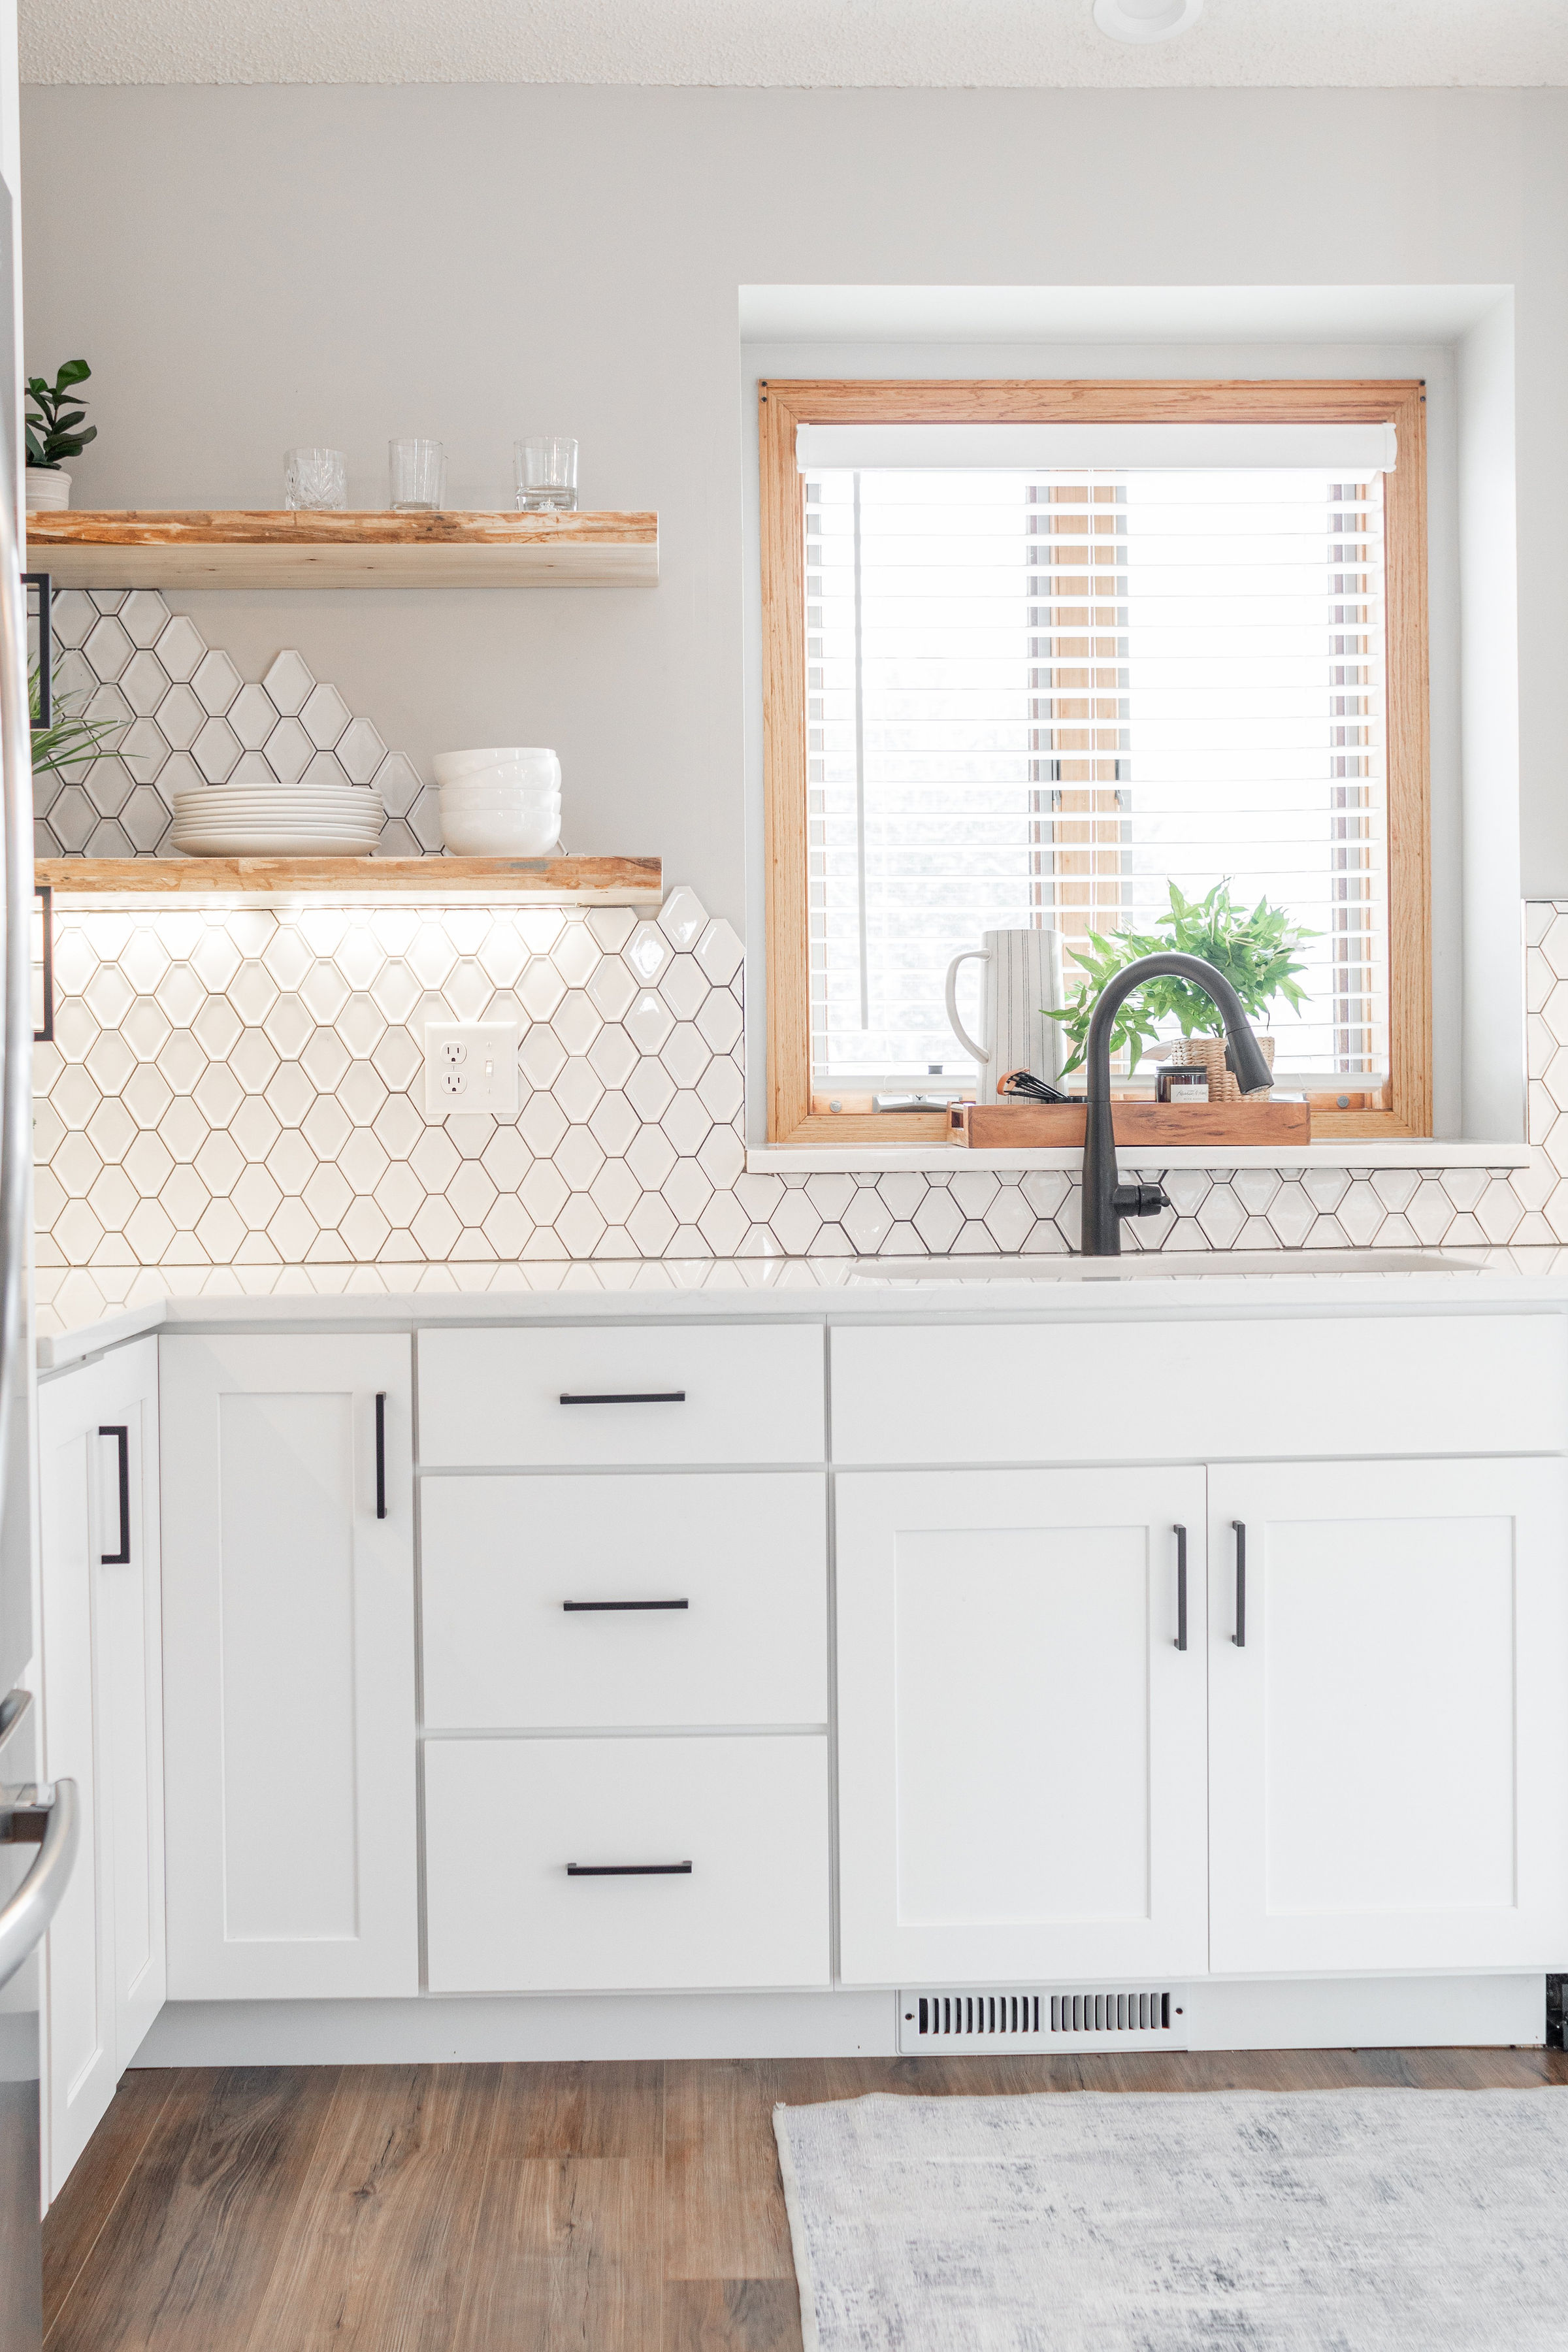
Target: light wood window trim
(783,407)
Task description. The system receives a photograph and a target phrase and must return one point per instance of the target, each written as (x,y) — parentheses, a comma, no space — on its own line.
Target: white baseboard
(432,2030)
(1366,2013)
(1317,2014)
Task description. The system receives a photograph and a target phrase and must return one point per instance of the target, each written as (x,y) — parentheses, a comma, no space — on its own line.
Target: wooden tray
(1013,1127)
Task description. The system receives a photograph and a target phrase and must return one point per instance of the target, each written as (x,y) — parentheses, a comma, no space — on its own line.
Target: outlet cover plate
(471,1066)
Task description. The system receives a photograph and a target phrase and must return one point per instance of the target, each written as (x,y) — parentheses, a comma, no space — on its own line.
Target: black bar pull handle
(1181,1535)
(1239,1636)
(629,1870)
(638,1396)
(380,1453)
(585,1608)
(122,1436)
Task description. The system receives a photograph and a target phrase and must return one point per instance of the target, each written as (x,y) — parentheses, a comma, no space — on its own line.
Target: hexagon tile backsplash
(189,720)
(241,1090)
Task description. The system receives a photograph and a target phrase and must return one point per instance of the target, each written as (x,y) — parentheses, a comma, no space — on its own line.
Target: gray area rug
(1203,2221)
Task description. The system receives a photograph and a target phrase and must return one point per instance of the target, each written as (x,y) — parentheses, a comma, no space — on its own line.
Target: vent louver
(1034,2017)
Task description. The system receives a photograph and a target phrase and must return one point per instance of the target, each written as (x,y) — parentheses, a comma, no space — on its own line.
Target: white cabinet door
(1389,1743)
(104,1962)
(289,1665)
(1020,1749)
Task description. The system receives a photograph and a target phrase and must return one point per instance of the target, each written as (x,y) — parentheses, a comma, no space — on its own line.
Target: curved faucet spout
(1106,1202)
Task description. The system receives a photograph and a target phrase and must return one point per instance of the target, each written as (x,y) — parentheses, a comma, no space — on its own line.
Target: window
(1038,692)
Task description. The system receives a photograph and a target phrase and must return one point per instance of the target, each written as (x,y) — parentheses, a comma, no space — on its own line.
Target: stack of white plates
(501,802)
(277,820)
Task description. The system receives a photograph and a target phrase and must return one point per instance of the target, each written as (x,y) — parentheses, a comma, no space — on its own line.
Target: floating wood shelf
(135,548)
(518,881)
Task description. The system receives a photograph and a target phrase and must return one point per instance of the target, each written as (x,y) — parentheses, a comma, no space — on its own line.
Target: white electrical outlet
(471,1066)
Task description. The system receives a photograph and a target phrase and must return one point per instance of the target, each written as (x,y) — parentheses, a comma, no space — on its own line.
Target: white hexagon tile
(241,1091)
(234,1095)
(189,719)
(242,1088)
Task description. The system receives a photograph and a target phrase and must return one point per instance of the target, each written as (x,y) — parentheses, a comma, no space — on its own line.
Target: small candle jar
(1182,1082)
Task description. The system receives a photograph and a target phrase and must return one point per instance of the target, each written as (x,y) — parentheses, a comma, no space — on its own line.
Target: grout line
(465,2290)
(663,2203)
(132,2161)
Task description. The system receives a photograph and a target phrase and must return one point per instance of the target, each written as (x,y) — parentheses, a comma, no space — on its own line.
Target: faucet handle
(1139,1200)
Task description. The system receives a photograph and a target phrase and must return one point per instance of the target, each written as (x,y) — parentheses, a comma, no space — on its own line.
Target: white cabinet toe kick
(764,1683)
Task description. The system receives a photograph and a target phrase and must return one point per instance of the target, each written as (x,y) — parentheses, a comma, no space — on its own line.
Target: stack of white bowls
(500,803)
(278,821)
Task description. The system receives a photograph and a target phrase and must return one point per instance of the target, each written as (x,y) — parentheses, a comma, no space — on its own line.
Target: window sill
(948,1158)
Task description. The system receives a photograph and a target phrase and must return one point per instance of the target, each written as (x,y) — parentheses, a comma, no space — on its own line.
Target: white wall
(247,268)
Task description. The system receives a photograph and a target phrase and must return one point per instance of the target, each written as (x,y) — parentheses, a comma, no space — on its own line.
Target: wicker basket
(1208,1054)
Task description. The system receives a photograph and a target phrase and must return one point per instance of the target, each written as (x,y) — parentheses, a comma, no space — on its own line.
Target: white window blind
(1037,696)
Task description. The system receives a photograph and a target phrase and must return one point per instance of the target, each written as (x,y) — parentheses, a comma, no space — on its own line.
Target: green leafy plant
(1255,949)
(70,739)
(53,417)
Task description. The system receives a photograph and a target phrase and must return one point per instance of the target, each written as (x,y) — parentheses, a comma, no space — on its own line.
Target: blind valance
(1348,452)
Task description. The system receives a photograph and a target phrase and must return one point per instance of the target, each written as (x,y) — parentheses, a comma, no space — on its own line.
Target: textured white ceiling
(920,44)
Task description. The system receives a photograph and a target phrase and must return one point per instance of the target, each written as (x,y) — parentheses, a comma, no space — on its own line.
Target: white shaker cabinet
(98,1515)
(1021,1741)
(1389,1738)
(289,1608)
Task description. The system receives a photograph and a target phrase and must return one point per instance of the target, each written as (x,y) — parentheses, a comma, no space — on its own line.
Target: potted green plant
(70,741)
(1256,951)
(55,412)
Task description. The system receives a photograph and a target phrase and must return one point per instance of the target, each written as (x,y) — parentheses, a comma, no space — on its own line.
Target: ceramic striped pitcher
(1023,975)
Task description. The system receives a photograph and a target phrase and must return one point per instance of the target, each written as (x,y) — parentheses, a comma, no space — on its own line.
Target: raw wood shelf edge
(176,548)
(521,881)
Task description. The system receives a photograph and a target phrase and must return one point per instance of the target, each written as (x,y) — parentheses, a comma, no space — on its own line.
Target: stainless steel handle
(120,1433)
(380,1453)
(1239,1636)
(28,1915)
(16,1023)
(1181,1535)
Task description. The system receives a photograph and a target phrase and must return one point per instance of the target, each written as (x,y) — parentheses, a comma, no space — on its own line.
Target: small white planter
(47,488)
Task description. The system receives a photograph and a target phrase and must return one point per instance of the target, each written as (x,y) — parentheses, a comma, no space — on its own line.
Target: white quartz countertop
(80,1322)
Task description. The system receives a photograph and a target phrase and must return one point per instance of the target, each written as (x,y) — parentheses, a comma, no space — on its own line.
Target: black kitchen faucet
(1105,1201)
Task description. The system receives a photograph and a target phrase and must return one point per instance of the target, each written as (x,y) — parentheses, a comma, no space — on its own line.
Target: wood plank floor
(519,2209)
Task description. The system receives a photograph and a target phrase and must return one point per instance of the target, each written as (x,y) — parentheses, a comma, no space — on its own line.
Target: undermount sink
(1161,1265)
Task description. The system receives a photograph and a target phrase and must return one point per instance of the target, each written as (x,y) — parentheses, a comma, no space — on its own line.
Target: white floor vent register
(1018,2018)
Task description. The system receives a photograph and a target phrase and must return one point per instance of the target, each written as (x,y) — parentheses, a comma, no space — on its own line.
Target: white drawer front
(747,1392)
(745,1555)
(505,1817)
(1180,1392)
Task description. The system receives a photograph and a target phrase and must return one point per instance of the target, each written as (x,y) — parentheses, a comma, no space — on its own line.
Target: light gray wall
(1491,496)
(250,267)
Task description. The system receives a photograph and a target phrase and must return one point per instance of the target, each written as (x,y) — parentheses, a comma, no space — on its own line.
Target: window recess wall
(1032,690)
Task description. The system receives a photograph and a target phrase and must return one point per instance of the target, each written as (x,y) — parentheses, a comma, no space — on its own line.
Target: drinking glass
(315,481)
(546,469)
(418,470)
